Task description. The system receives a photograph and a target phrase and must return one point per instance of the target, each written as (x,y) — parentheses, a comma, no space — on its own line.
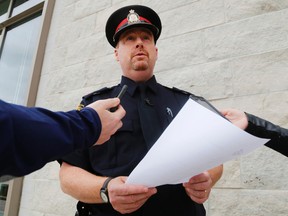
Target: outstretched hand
(237,117)
(110,121)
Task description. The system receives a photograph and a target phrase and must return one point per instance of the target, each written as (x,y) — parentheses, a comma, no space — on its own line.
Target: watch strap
(104,186)
(104,190)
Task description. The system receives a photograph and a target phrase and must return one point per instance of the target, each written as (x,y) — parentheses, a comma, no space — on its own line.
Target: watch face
(104,197)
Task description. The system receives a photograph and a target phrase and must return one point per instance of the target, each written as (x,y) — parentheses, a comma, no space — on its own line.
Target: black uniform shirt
(126,148)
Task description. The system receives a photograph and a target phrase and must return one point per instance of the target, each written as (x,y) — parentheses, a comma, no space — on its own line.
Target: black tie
(148,118)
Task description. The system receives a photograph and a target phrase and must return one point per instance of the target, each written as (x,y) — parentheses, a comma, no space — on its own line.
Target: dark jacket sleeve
(32,137)
(265,129)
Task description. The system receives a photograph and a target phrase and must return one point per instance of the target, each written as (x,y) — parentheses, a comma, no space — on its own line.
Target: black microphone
(120,95)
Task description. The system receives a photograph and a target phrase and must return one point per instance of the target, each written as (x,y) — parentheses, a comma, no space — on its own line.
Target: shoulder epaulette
(98,92)
(89,98)
(181,91)
(195,97)
(202,101)
(185,93)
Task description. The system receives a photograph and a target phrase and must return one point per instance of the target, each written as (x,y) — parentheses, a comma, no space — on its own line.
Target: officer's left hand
(199,187)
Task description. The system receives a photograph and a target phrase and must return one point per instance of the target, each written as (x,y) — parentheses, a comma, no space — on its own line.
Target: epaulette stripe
(188,93)
(178,90)
(181,91)
(98,92)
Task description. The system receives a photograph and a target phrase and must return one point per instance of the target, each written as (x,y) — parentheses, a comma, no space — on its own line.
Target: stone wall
(232,52)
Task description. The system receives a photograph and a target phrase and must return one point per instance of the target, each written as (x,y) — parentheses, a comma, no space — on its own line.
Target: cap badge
(132,17)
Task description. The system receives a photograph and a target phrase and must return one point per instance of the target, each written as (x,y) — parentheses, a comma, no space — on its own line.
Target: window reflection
(16,60)
(22,5)
(3,196)
(16,3)
(4,4)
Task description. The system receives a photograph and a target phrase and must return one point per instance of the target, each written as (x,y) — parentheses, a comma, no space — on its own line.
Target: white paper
(196,140)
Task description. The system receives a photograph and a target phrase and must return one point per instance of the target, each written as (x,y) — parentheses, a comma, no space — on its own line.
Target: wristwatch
(104,190)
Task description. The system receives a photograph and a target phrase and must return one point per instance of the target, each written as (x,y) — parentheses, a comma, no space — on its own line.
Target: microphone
(120,95)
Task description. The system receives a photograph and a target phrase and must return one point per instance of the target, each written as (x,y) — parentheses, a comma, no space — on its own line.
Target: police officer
(31,137)
(260,127)
(96,177)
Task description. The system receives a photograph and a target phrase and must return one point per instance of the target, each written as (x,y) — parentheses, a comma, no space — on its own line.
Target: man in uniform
(96,177)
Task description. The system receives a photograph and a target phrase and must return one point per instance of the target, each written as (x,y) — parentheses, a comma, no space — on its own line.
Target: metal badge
(132,17)
(80,107)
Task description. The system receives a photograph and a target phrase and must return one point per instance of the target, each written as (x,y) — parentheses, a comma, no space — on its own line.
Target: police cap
(129,17)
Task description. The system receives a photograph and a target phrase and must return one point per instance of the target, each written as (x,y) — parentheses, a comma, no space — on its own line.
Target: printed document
(195,141)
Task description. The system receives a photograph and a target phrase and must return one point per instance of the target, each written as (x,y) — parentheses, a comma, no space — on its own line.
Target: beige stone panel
(68,79)
(186,50)
(248,202)
(191,17)
(85,8)
(102,71)
(211,80)
(259,34)
(42,191)
(54,60)
(264,168)
(82,28)
(231,177)
(85,49)
(259,74)
(167,5)
(236,9)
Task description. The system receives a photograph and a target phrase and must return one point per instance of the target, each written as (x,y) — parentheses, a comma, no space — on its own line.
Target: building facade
(232,52)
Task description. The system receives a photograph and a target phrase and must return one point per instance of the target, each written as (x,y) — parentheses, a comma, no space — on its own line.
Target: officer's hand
(198,187)
(111,122)
(127,198)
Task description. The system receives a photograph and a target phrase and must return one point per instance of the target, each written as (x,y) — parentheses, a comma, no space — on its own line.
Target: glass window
(16,3)
(4,5)
(16,60)
(22,5)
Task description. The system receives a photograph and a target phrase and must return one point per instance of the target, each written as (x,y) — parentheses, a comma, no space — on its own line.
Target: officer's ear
(116,54)
(156,52)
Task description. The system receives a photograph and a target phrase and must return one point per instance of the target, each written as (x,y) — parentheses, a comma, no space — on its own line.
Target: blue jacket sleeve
(32,137)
